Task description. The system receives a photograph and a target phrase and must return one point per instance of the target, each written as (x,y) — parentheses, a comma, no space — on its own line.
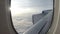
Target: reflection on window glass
(23,12)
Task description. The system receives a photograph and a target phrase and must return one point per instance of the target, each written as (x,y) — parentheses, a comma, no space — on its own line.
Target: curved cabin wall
(5,22)
(58,25)
(55,29)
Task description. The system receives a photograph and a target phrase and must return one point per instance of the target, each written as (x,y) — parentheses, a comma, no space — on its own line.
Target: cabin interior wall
(5,22)
(58,25)
(54,25)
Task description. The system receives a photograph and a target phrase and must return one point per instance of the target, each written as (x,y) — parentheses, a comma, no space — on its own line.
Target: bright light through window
(23,10)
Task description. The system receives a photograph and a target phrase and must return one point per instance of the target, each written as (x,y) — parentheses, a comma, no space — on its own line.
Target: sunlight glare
(16,11)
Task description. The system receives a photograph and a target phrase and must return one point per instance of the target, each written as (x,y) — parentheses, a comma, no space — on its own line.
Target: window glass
(25,13)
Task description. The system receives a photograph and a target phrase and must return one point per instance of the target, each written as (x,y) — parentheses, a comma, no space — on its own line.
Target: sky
(22,11)
(32,3)
(30,6)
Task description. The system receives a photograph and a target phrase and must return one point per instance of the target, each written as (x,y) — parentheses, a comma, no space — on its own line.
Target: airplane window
(27,13)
